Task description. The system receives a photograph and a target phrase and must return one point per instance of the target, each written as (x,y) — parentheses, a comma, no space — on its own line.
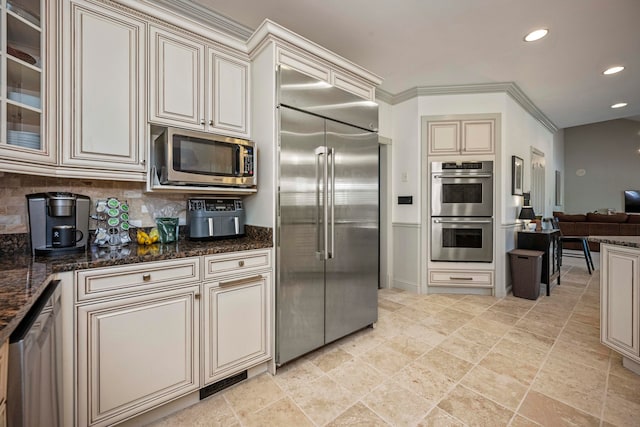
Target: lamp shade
(527,213)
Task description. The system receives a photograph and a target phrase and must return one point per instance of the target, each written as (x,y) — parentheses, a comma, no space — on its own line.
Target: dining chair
(582,240)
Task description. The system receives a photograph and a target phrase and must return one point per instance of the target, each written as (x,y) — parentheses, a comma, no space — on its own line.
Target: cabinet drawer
(236,262)
(461,278)
(103,282)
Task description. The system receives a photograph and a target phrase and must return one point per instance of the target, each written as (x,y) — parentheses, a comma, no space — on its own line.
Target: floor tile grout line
(476,364)
(390,377)
(544,362)
(382,417)
(324,374)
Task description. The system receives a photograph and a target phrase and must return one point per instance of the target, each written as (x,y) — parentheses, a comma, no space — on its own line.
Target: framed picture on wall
(517,166)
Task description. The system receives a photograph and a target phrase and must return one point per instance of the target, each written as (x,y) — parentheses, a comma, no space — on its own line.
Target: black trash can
(526,270)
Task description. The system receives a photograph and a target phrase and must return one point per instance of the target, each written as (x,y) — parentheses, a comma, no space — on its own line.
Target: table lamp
(527,214)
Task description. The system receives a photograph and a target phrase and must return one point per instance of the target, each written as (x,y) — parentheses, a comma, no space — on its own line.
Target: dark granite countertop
(25,277)
(629,241)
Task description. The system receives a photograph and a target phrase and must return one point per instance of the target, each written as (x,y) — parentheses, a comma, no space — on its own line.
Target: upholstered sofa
(594,224)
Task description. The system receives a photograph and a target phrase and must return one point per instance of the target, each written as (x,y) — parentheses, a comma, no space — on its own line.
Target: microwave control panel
(248,161)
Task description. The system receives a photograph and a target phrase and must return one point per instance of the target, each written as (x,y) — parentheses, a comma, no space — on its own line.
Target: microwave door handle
(238,154)
(210,221)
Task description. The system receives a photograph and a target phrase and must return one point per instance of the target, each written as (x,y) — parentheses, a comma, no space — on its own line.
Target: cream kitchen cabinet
(461,278)
(195,86)
(322,70)
(471,134)
(620,302)
(4,367)
(28,80)
(237,315)
(138,337)
(104,73)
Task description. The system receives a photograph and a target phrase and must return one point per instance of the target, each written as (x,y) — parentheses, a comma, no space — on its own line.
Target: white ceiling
(417,43)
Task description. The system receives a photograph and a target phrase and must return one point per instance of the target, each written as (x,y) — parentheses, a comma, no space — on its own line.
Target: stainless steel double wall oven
(462,211)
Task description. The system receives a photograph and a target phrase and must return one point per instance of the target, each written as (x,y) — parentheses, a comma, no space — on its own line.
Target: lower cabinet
(135,353)
(236,325)
(4,367)
(461,278)
(144,336)
(620,300)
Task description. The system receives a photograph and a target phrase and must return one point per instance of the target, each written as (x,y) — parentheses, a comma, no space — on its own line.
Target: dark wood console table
(547,241)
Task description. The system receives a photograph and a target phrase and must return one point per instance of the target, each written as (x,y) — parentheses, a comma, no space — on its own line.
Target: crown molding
(384,96)
(269,29)
(510,88)
(207,17)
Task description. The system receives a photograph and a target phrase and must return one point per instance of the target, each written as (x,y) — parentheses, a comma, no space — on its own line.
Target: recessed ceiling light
(619,105)
(613,70)
(536,35)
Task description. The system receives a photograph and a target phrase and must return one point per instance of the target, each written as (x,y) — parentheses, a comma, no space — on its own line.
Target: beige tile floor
(448,360)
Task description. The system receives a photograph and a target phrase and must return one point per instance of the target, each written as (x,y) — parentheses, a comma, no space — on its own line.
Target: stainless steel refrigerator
(327,215)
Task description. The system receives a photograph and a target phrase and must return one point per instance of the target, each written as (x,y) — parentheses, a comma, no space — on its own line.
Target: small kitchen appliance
(58,222)
(215,218)
(183,157)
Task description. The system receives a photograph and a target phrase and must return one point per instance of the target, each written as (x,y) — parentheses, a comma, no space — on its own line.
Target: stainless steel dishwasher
(35,365)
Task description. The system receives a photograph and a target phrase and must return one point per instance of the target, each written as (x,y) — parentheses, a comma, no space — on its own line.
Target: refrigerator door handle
(332,154)
(321,252)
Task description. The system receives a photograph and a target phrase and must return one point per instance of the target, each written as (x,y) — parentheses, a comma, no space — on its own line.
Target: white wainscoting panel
(406,256)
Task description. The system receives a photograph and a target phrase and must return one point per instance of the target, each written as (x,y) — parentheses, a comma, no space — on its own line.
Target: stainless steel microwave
(184,157)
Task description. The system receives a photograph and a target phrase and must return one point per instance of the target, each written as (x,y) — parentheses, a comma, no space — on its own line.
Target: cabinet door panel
(478,136)
(236,325)
(303,63)
(353,85)
(230,93)
(28,131)
(4,366)
(444,137)
(107,64)
(620,321)
(136,353)
(177,80)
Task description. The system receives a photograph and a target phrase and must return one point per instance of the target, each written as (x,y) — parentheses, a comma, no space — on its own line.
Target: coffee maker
(58,222)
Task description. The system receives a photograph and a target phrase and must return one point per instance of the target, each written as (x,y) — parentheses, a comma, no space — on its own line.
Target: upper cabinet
(23,96)
(460,135)
(325,71)
(104,73)
(195,86)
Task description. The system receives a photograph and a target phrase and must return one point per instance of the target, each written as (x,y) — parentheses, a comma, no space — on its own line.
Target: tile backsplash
(143,206)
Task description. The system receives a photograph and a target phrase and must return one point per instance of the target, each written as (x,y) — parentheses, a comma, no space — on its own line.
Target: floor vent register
(222,384)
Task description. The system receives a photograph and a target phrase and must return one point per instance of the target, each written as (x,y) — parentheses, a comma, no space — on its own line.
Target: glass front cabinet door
(23,95)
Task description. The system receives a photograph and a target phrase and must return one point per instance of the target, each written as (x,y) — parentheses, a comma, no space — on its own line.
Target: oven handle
(471,221)
(488,175)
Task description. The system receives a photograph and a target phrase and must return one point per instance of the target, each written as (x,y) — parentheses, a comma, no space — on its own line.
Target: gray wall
(607,153)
